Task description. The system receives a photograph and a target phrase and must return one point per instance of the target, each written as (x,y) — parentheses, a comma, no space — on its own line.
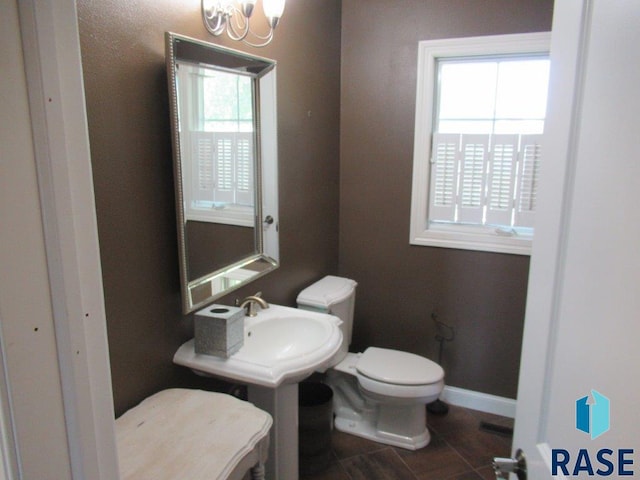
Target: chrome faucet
(251,302)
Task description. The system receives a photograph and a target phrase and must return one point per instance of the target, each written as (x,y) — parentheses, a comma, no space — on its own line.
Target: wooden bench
(180,434)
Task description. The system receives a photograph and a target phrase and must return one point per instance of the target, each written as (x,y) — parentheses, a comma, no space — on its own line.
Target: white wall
(51,302)
(25,303)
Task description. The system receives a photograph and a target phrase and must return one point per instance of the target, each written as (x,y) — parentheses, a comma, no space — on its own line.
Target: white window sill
(227,215)
(484,239)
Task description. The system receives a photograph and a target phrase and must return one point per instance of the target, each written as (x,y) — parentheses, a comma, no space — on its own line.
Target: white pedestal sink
(282,346)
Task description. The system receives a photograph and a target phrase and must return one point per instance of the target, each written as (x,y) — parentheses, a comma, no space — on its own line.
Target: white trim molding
(483,402)
(51,45)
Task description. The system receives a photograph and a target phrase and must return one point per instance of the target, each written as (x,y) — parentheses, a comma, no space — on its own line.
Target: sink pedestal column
(282,403)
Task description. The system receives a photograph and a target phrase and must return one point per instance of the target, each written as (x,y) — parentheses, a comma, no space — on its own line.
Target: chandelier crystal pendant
(233,16)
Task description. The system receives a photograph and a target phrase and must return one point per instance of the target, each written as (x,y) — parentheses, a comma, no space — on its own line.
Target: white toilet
(379,394)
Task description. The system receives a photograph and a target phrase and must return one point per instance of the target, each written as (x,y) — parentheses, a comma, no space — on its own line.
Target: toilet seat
(372,367)
(398,368)
(389,390)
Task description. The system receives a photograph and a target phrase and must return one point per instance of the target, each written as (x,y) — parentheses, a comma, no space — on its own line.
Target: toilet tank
(334,295)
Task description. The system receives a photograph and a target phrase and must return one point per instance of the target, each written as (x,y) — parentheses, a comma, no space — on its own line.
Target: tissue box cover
(219,330)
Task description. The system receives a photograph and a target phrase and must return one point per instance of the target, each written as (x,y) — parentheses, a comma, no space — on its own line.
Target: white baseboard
(483,402)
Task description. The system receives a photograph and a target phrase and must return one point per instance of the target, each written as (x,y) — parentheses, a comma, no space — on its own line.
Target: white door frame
(51,45)
(549,248)
(581,318)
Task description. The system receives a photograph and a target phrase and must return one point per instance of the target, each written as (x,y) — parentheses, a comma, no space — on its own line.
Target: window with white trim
(480,112)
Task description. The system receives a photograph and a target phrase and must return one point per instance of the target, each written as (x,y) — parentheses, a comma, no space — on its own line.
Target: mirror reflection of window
(228,113)
(227,102)
(218,109)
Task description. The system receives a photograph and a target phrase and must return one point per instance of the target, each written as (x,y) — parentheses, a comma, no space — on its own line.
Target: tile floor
(459,450)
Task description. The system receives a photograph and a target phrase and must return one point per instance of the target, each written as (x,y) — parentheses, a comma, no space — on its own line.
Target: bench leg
(257,472)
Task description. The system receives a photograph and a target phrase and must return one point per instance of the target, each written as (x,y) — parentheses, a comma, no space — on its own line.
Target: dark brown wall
(126,89)
(481,294)
(212,246)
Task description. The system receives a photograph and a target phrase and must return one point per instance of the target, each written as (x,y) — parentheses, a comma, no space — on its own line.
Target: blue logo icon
(592,416)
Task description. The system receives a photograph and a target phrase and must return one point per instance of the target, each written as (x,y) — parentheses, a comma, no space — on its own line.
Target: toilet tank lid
(398,368)
(326,292)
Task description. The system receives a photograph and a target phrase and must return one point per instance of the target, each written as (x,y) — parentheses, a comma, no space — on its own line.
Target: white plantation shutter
(444,176)
(244,168)
(202,178)
(224,170)
(484,179)
(224,162)
(527,182)
(473,172)
(503,161)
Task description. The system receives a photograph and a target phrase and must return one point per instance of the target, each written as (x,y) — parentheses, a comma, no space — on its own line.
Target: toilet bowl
(379,394)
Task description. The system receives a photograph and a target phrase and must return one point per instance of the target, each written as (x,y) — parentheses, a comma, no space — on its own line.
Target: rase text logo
(593,417)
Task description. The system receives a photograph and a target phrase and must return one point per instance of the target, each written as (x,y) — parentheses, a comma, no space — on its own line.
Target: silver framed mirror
(224,136)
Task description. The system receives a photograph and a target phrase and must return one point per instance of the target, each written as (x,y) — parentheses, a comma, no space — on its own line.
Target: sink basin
(281,345)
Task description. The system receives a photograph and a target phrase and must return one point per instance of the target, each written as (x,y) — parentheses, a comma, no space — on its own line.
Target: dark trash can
(315,403)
